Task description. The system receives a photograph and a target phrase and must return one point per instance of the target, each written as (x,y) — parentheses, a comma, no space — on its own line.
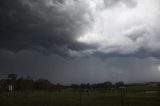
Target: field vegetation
(27,92)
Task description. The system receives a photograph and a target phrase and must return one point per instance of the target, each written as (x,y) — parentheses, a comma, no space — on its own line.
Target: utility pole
(81,98)
(122,90)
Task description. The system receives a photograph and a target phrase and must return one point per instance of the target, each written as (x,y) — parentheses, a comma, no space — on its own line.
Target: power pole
(122,90)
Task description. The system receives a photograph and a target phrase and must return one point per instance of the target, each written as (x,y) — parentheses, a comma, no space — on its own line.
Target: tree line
(28,84)
(98,86)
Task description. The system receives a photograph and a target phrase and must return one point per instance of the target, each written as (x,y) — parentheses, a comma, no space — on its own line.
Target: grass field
(129,96)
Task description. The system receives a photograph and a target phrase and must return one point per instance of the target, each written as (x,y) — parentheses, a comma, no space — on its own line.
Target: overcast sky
(81,41)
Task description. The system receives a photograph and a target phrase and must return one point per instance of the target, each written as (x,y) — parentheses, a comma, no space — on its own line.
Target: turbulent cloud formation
(48,25)
(124,30)
(80,28)
(118,38)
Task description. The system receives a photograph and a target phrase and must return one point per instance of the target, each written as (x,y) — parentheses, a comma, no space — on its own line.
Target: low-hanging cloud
(80,28)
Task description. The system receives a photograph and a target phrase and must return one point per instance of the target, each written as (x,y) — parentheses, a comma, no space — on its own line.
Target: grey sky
(74,41)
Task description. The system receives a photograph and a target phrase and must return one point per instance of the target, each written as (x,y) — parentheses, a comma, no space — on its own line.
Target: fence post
(81,98)
(122,95)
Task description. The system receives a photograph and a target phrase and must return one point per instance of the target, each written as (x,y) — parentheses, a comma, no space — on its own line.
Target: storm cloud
(74,41)
(49,25)
(81,28)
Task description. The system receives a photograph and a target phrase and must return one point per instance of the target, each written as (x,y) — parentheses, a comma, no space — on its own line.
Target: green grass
(134,96)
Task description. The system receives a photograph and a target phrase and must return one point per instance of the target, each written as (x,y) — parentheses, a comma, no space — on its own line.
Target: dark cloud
(112,40)
(53,26)
(40,25)
(38,36)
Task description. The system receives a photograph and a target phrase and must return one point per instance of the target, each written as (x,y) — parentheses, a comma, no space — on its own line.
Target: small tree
(119,84)
(12,78)
(24,84)
(107,85)
(42,84)
(11,81)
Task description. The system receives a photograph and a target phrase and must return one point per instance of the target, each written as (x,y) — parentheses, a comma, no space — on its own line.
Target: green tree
(119,84)
(42,84)
(12,78)
(24,84)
